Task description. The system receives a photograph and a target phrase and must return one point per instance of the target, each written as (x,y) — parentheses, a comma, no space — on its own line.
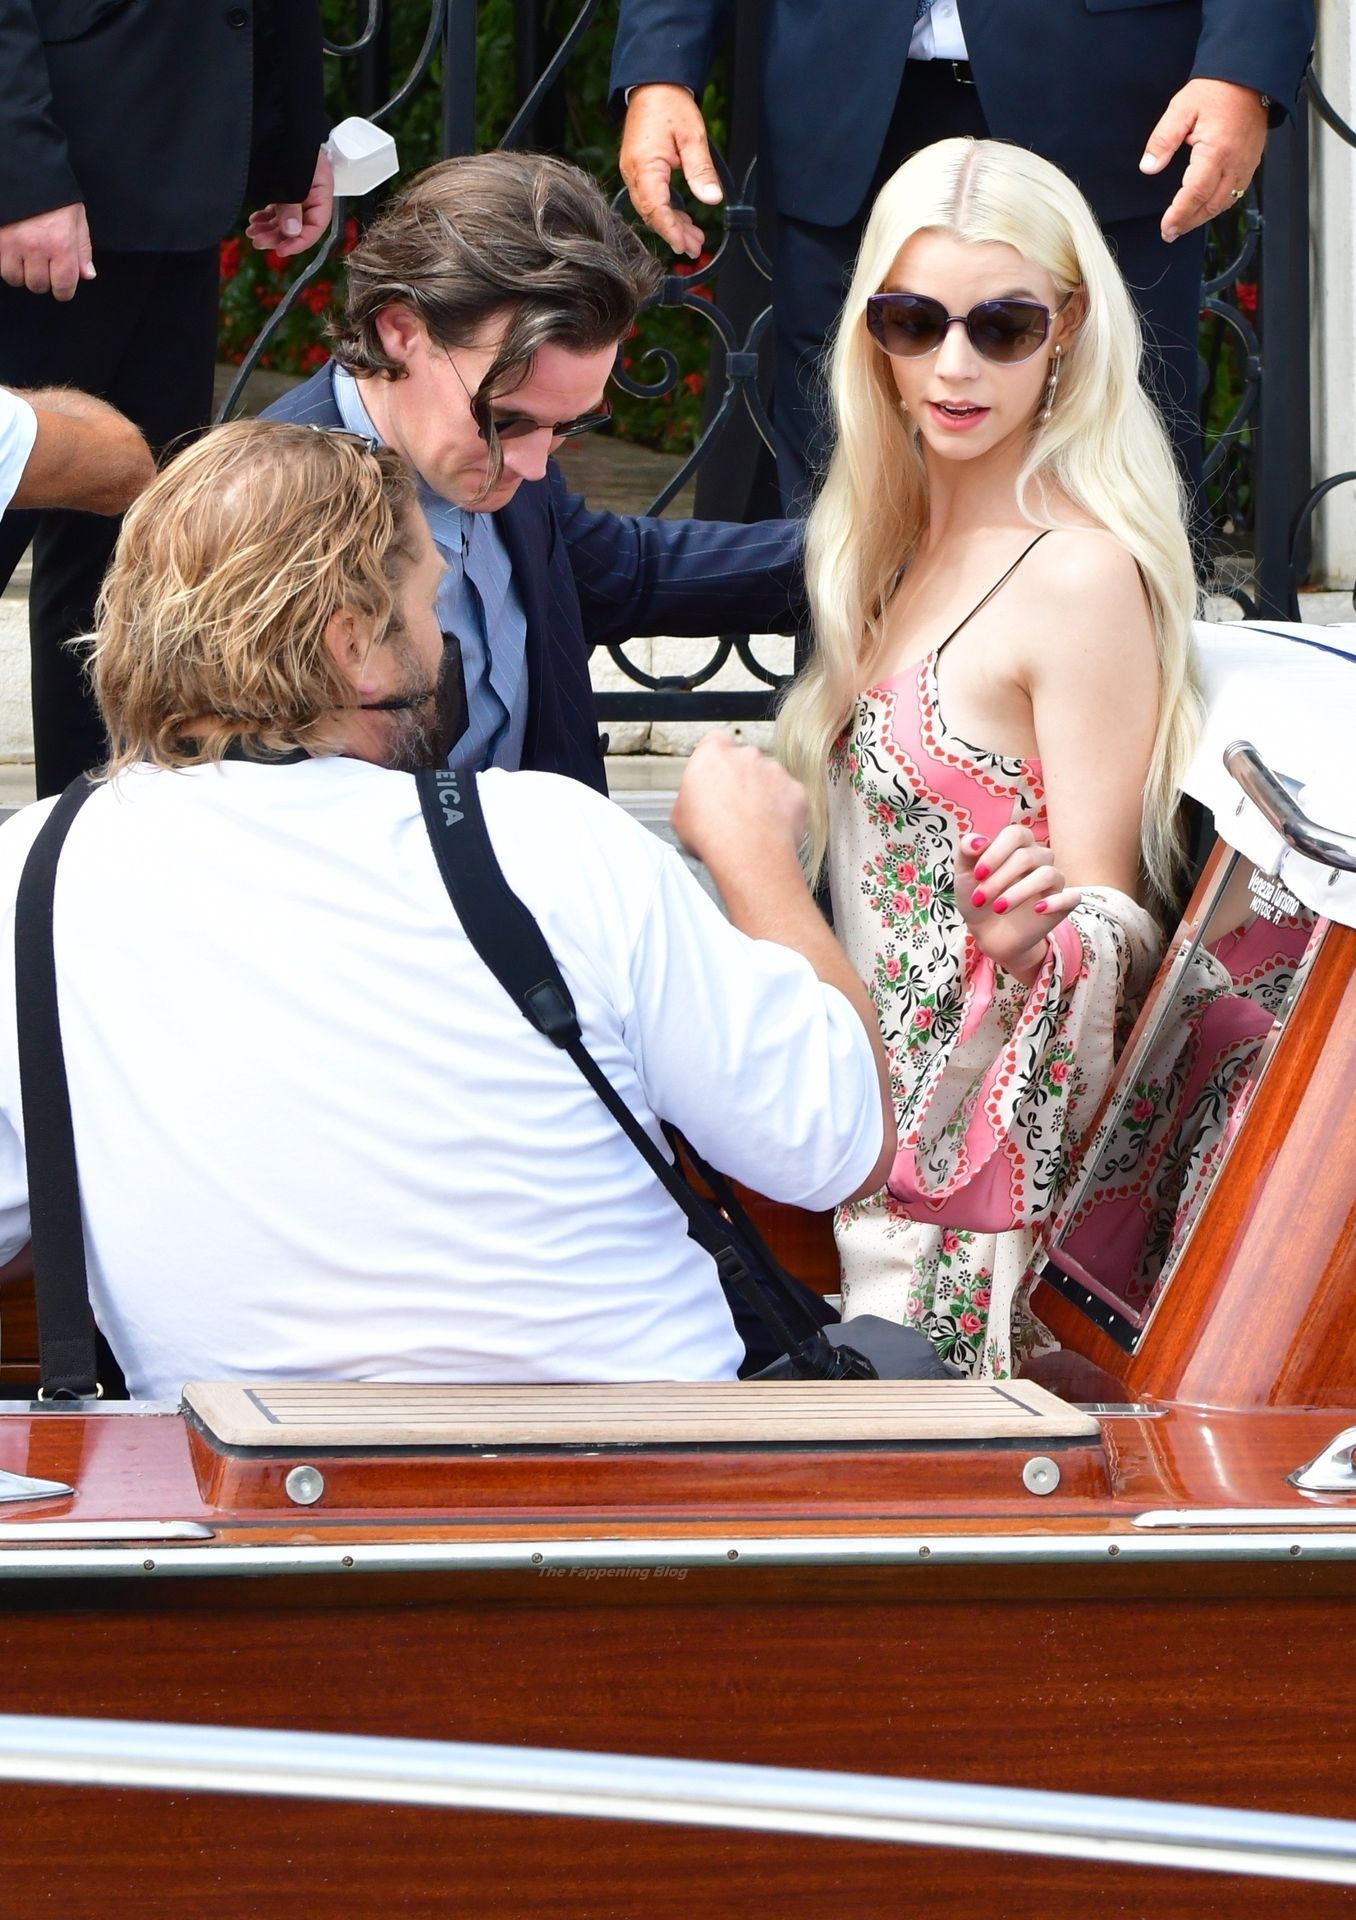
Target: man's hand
(664,129)
(1011,896)
(1226,128)
(736,809)
(47,253)
(286,228)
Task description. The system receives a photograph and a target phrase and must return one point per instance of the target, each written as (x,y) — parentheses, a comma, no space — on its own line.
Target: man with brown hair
(315,1137)
(483,316)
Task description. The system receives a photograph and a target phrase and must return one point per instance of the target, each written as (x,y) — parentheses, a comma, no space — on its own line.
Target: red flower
(1059,1071)
(900,903)
(694,382)
(317,296)
(275,262)
(923,896)
(1245,292)
(350,239)
(983,1295)
(922,1018)
(970,1323)
(892,968)
(950,1242)
(230,257)
(313,356)
(908,872)
(1142,1109)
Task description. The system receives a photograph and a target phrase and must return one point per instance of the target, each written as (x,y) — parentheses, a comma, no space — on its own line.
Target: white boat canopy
(1290,691)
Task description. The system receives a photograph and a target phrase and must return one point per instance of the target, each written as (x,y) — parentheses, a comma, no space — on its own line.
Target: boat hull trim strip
(836,1551)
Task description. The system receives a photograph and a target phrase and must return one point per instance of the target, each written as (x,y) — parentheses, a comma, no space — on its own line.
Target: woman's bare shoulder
(1079,561)
(1085,604)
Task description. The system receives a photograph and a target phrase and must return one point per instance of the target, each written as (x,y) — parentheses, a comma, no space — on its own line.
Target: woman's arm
(1090,670)
(1092,676)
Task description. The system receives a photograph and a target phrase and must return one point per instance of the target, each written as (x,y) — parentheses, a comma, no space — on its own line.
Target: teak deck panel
(650,1413)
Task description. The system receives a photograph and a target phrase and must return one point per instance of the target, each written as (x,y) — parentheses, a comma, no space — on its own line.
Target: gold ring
(1238,193)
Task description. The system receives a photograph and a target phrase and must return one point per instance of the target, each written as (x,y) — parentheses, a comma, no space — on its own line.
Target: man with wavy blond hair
(315,1137)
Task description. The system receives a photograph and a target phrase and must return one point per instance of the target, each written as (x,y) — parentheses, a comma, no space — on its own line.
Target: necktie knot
(923,8)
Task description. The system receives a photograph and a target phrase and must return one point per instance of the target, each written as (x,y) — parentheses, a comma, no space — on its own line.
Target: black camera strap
(509,941)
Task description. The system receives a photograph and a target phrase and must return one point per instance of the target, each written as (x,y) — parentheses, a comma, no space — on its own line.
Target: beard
(427,718)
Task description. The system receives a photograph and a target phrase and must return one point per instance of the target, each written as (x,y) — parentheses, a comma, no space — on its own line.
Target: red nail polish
(1040,906)
(1000,906)
(981,873)
(978,843)
(977,899)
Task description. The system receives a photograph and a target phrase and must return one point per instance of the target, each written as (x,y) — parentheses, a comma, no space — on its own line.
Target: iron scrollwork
(1250,523)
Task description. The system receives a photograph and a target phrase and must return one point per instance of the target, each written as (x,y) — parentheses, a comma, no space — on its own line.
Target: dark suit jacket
(155,113)
(592,579)
(1080,81)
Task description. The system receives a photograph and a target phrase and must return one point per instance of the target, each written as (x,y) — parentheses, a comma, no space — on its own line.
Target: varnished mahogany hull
(1181,1682)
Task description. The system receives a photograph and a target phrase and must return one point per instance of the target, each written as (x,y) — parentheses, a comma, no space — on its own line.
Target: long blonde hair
(1104,448)
(211,624)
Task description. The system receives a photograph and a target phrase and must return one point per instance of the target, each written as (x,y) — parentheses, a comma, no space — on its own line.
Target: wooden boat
(1132,1572)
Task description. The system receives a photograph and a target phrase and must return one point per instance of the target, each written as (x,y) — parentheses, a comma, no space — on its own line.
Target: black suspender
(75,1360)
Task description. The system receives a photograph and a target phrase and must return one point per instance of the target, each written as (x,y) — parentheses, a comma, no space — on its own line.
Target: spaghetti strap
(1002,582)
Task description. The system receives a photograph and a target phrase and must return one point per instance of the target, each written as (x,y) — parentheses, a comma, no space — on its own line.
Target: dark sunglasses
(909,325)
(517,426)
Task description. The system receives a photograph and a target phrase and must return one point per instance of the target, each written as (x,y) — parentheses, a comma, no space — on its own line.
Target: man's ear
(401,332)
(348,636)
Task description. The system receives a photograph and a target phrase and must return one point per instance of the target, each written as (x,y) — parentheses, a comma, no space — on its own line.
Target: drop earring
(1052,384)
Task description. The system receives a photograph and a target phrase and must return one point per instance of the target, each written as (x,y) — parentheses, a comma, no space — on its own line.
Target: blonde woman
(995,715)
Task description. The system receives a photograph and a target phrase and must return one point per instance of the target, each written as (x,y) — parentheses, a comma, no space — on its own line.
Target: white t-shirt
(18,431)
(317,1138)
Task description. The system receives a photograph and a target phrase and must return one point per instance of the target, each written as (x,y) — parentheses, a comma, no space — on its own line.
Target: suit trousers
(142,335)
(814,264)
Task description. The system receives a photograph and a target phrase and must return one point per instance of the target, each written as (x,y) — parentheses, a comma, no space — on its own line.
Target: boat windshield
(1183,1087)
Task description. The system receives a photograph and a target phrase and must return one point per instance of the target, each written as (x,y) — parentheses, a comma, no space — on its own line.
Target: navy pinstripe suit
(589,579)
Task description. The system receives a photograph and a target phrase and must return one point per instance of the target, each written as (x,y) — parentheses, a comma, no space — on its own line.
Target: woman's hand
(1010,896)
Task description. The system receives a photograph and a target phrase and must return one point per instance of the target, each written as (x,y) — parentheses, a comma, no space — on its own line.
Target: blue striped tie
(924,6)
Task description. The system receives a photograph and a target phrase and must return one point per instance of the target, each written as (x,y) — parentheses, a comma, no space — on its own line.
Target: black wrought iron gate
(1255,307)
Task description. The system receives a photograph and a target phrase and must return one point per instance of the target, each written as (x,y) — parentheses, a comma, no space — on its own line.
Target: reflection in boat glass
(1182,1089)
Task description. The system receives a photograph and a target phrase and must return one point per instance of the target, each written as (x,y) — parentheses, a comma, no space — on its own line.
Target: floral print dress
(994,1083)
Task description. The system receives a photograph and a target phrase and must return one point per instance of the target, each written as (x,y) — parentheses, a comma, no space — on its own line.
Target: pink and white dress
(994,1083)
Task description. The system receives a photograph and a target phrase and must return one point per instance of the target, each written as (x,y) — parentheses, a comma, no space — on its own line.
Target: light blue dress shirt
(479,603)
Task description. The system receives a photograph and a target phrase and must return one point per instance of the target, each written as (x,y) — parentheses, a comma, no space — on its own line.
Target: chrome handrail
(550,1781)
(1324,844)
